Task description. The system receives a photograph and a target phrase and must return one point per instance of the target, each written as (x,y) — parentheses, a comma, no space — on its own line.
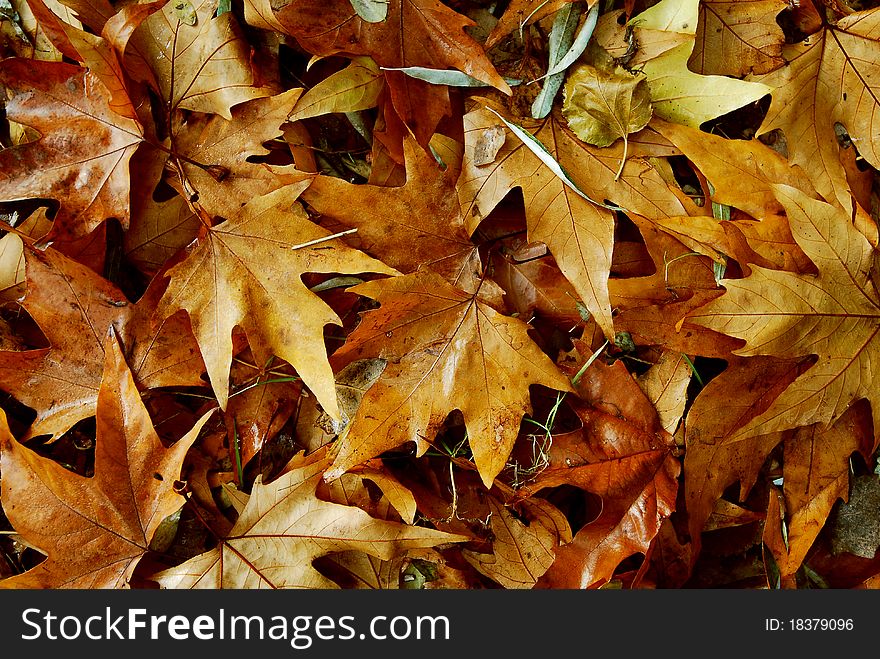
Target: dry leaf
(95,530)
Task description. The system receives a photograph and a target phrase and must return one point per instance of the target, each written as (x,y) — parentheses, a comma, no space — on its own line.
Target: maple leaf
(81,158)
(737,37)
(284,527)
(74,307)
(578,233)
(835,316)
(446,350)
(204,67)
(245,271)
(624,456)
(227,144)
(712,463)
(740,171)
(522,552)
(831,77)
(816,466)
(95,530)
(416,224)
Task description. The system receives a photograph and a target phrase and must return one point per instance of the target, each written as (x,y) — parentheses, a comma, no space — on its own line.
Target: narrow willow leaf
(535,146)
(449,77)
(579,45)
(561,39)
(372,11)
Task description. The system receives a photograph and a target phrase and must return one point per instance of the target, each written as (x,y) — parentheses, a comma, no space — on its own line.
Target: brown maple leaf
(446,349)
(577,232)
(204,67)
(82,156)
(623,455)
(415,225)
(831,77)
(246,272)
(737,37)
(835,316)
(285,526)
(95,530)
(74,307)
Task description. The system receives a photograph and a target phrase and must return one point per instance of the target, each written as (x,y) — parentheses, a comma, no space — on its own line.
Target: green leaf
(561,39)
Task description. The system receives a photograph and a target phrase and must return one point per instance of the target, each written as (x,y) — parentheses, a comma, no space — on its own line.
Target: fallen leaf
(830,77)
(445,350)
(738,37)
(415,225)
(522,553)
(95,530)
(245,272)
(577,232)
(604,106)
(678,94)
(816,466)
(791,316)
(622,455)
(284,528)
(356,87)
(665,384)
(204,67)
(75,307)
(81,158)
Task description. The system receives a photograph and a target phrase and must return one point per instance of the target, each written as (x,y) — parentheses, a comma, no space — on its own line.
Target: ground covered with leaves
(423,294)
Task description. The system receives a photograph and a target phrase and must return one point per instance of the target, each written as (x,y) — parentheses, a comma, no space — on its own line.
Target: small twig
(324,239)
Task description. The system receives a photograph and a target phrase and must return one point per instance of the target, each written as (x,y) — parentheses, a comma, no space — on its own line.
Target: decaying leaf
(95,530)
(445,350)
(244,265)
(84,165)
(791,316)
(284,527)
(75,307)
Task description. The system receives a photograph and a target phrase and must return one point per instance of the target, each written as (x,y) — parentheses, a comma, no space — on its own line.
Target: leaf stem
(324,239)
(623,159)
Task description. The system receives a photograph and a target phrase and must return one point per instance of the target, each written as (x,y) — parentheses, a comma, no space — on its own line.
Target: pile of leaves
(423,294)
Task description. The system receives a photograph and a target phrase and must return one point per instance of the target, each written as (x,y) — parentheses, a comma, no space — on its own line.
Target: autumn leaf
(604,106)
(712,463)
(577,232)
(815,475)
(82,156)
(677,93)
(522,553)
(213,154)
(790,315)
(356,87)
(829,78)
(244,272)
(446,350)
(738,37)
(95,530)
(75,307)
(434,37)
(622,455)
(284,528)
(416,224)
(204,67)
